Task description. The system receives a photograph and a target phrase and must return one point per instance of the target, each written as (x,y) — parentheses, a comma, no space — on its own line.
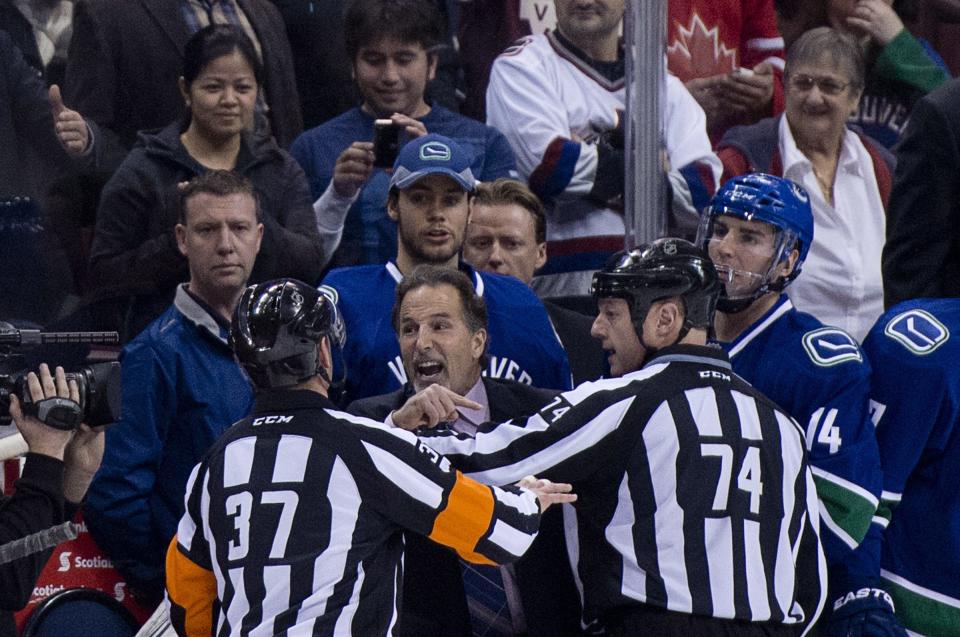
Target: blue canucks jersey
(914,351)
(820,376)
(522,344)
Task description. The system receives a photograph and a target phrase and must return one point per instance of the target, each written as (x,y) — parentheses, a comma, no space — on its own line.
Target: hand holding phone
(386,143)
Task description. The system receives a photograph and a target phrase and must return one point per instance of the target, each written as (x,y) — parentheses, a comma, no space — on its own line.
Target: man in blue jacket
(181,386)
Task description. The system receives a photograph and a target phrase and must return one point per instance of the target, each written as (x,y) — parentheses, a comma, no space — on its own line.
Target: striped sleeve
(191,584)
(416,487)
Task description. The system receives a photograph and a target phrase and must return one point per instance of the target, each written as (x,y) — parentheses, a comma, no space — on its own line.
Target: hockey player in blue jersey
(429,199)
(757,230)
(913,550)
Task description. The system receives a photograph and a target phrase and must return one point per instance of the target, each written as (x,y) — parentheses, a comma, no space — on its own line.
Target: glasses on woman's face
(827,85)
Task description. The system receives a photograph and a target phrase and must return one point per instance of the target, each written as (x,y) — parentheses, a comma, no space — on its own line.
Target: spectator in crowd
(666,543)
(758,230)
(42,30)
(348,488)
(441,324)
(392,47)
(912,550)
(58,468)
(922,255)
(125,58)
(847,175)
(507,234)
(900,68)
(134,252)
(180,385)
(706,42)
(34,287)
(558,98)
(429,200)
(730,56)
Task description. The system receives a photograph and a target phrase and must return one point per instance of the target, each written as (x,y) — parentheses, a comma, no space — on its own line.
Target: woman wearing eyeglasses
(847,174)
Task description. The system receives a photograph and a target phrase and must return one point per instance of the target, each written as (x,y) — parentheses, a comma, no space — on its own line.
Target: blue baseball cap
(431,155)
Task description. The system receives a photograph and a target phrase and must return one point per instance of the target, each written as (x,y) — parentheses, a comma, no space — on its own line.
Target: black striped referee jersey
(293,523)
(694,493)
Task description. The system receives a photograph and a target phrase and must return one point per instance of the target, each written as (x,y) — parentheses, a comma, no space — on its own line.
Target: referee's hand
(549,492)
(429,407)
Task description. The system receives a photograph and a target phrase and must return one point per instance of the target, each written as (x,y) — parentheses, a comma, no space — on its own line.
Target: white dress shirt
(840,282)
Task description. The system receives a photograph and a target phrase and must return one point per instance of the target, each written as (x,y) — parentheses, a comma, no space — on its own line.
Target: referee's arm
(191,584)
(413,485)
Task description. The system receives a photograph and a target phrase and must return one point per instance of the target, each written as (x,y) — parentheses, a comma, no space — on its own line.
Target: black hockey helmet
(660,270)
(276,328)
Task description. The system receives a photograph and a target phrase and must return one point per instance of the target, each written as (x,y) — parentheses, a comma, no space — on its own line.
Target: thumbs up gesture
(72,130)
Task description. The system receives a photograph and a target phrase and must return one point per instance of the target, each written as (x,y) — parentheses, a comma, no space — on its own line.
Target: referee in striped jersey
(697,512)
(294,517)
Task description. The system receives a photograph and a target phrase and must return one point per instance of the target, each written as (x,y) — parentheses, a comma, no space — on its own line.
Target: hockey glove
(866,612)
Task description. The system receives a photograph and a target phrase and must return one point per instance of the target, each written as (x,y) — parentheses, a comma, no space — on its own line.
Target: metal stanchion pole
(645,196)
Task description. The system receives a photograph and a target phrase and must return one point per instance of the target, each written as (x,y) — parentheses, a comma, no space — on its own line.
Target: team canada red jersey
(712,37)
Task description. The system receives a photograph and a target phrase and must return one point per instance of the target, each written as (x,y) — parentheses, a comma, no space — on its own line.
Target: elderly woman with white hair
(847,174)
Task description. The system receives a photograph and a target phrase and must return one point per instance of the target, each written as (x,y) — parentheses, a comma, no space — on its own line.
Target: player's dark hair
(219,183)
(416,21)
(214,41)
(506,192)
(428,275)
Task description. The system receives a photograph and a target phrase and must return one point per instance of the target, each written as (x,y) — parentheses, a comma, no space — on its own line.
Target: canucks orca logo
(435,151)
(918,331)
(799,192)
(829,346)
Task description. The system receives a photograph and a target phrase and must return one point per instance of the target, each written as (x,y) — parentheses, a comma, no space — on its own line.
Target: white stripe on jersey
(292,454)
(276,581)
(846,484)
(412,482)
(749,418)
(835,528)
(513,541)
(663,447)
(343,627)
(187,526)
(619,534)
(330,566)
(238,462)
(814,526)
(602,425)
(703,408)
(784,580)
(518,501)
(239,605)
(720,565)
(756,577)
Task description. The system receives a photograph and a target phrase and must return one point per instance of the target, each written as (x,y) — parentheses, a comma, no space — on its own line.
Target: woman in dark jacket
(134,252)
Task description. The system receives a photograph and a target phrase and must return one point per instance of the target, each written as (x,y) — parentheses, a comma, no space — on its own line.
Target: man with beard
(429,200)
(441,324)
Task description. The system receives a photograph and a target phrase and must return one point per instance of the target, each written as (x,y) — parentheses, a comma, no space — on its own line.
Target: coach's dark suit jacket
(434,603)
(921,257)
(126,55)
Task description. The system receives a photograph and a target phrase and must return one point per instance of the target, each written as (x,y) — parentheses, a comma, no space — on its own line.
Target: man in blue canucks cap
(757,230)
(429,199)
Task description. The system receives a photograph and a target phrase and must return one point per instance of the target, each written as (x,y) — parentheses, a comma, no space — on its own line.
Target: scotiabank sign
(80,563)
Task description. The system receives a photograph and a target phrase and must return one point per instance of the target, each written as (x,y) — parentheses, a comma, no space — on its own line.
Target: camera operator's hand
(41,438)
(81,461)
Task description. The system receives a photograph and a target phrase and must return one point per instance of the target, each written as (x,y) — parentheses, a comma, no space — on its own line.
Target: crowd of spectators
(116,114)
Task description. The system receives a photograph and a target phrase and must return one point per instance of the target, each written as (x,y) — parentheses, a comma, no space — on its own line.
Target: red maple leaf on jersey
(698,52)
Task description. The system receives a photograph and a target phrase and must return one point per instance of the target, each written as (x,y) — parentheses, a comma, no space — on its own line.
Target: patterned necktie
(486,601)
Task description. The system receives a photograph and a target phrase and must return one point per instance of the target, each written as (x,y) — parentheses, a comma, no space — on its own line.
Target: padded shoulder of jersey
(917,330)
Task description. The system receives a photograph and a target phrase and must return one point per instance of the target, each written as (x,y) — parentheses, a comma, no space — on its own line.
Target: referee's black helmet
(663,269)
(276,328)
